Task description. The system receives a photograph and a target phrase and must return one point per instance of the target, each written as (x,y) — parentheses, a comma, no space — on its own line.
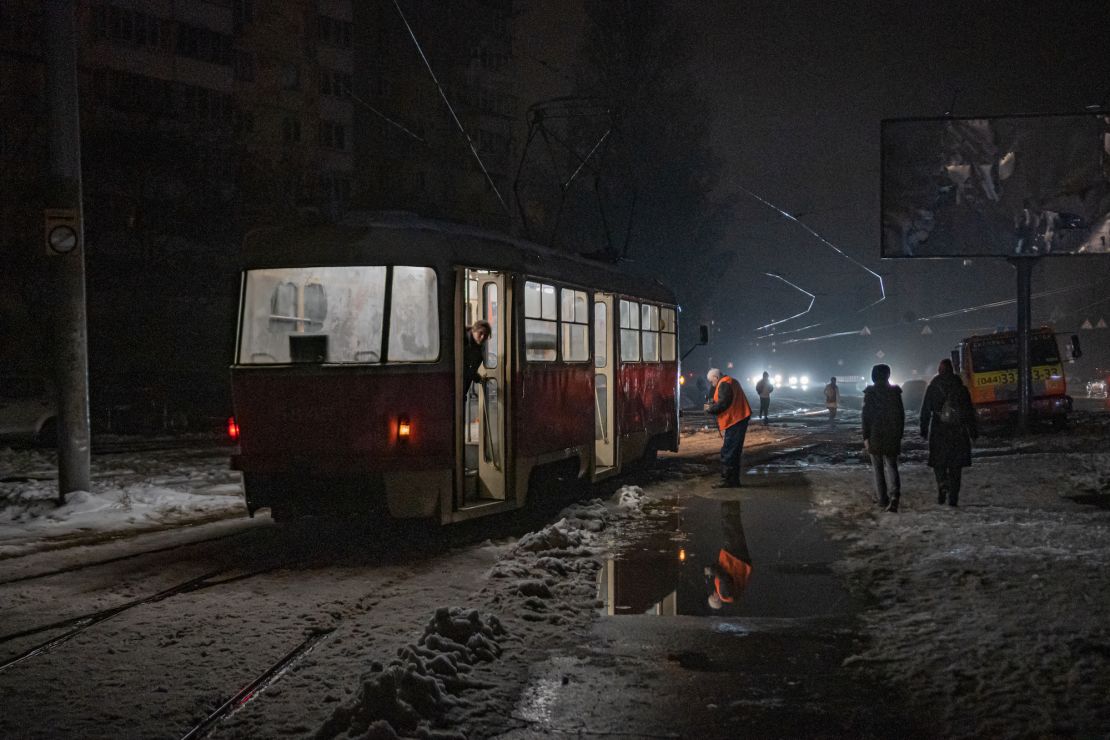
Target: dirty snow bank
(989,616)
(463,675)
(129,491)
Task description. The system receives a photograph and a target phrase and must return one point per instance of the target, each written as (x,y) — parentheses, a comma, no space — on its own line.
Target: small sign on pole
(62,228)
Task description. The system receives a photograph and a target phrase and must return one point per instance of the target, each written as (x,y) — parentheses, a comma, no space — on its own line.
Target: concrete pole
(70,334)
(1024,267)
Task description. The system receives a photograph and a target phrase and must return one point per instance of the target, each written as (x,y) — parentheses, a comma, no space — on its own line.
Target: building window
(244,65)
(243,13)
(334,32)
(291,77)
(333,135)
(290,130)
(337,84)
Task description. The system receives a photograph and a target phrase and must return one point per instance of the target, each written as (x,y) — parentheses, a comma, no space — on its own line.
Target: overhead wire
(826,242)
(812,299)
(451,109)
(383,116)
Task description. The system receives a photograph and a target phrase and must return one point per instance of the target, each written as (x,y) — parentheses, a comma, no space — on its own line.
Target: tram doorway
(605,433)
(483,409)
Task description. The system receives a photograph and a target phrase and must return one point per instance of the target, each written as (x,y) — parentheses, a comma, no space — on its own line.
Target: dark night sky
(798,90)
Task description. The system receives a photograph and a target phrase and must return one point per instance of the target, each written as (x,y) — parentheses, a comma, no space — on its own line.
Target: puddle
(759,554)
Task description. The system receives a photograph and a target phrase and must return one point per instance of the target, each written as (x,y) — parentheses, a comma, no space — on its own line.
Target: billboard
(996,187)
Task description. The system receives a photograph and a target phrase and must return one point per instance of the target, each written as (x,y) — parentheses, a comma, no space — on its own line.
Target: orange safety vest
(738,410)
(738,571)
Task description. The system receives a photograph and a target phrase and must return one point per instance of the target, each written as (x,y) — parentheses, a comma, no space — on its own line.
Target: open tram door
(605,388)
(483,455)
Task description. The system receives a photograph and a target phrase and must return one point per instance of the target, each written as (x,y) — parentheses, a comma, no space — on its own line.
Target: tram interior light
(404,428)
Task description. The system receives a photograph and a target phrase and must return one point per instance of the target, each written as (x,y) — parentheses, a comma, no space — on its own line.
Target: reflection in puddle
(698,559)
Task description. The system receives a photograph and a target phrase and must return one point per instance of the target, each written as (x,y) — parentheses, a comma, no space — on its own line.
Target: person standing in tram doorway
(763,389)
(730,406)
(474,352)
(884,423)
(832,398)
(948,422)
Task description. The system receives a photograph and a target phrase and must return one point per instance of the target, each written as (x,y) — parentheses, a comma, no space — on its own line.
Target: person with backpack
(884,421)
(948,422)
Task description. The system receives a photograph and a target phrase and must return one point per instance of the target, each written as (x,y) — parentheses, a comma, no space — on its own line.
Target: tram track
(119,558)
(259,684)
(74,626)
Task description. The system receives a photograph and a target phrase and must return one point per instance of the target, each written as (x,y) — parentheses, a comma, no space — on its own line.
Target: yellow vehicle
(989,367)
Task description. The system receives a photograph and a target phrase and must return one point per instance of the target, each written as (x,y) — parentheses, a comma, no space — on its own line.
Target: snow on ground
(132,491)
(458,678)
(990,616)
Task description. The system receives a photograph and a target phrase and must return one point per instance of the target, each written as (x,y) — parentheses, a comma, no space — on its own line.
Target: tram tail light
(404,428)
(232,429)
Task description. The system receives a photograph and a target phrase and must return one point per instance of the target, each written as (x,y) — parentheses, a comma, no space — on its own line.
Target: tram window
(494,342)
(601,334)
(630,331)
(413,317)
(575,326)
(540,322)
(649,323)
(667,326)
(345,303)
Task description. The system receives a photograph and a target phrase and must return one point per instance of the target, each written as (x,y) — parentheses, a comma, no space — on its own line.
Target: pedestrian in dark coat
(884,421)
(949,431)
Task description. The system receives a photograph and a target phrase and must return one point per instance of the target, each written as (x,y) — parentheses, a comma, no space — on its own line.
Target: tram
(348,385)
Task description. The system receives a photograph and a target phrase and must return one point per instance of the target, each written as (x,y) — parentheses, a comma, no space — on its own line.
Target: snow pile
(128,492)
(413,693)
(990,616)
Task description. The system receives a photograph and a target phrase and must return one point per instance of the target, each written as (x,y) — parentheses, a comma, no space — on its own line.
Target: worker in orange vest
(726,579)
(730,405)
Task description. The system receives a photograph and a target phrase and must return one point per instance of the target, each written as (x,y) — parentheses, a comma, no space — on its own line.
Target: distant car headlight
(793,380)
(805,380)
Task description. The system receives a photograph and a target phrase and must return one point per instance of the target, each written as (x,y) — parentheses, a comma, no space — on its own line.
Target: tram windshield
(338,314)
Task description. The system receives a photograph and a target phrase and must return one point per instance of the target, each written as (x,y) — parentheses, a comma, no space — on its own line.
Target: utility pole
(64,232)
(1024,267)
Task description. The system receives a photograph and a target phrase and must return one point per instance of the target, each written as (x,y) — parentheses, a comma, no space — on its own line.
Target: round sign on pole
(62,229)
(62,239)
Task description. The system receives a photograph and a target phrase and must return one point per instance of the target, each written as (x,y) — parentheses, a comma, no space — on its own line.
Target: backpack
(948,413)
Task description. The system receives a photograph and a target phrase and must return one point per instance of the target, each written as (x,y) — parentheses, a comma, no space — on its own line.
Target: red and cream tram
(348,375)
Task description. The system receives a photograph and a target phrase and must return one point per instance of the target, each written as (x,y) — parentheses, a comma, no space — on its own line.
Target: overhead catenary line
(826,242)
(812,299)
(945,314)
(383,116)
(454,116)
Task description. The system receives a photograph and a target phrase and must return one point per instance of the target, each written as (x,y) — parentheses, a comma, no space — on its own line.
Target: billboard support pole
(1024,267)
